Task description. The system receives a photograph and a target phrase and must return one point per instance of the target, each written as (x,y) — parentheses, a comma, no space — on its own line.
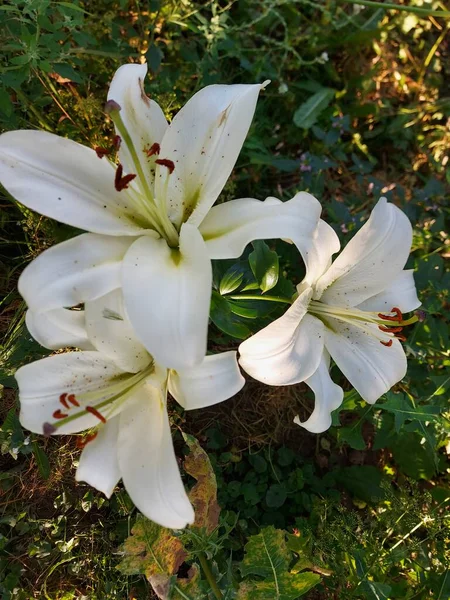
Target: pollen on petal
(96,413)
(165,162)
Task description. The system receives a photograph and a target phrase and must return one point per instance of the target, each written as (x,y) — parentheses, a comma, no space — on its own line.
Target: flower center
(389,325)
(101,403)
(142,196)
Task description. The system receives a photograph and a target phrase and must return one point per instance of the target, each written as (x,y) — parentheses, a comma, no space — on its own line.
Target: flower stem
(209,576)
(390,5)
(256,297)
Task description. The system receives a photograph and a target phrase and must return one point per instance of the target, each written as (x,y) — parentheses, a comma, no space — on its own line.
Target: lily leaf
(264,264)
(308,113)
(267,556)
(404,410)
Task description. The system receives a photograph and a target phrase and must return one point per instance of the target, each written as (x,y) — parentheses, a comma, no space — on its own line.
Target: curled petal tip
(48,429)
(265,84)
(112,106)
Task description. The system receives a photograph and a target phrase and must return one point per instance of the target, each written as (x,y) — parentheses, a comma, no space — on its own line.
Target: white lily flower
(119,393)
(350,309)
(152,228)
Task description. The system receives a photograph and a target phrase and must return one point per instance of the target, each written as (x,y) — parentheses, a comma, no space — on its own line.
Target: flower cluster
(132,295)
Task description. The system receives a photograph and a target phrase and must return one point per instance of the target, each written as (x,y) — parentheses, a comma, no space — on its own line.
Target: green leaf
(42,461)
(276,495)
(151,550)
(308,113)
(404,410)
(68,72)
(225,320)
(375,591)
(352,436)
(364,482)
(414,458)
(231,280)
(154,58)
(6,105)
(267,556)
(264,264)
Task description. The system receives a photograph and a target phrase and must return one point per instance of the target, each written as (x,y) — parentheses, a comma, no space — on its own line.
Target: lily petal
(328,397)
(99,465)
(318,256)
(42,382)
(229,227)
(142,117)
(73,272)
(216,379)
(401,292)
(66,181)
(111,332)
(173,287)
(371,260)
(59,328)
(371,367)
(288,350)
(203,142)
(148,464)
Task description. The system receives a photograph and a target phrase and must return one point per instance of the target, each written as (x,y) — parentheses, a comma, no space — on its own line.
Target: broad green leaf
(42,461)
(352,436)
(364,482)
(308,113)
(225,320)
(267,556)
(151,550)
(154,56)
(264,264)
(276,495)
(375,591)
(404,410)
(231,280)
(414,458)
(68,72)
(203,495)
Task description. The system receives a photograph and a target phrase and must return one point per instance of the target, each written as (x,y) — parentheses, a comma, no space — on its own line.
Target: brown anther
(165,162)
(101,152)
(390,329)
(117,140)
(71,398)
(63,400)
(82,442)
(58,414)
(96,413)
(388,344)
(398,315)
(121,181)
(48,429)
(154,149)
(401,338)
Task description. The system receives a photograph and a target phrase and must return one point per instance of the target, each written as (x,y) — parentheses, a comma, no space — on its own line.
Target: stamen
(117,140)
(398,315)
(58,414)
(154,149)
(82,442)
(165,162)
(63,400)
(101,152)
(96,413)
(402,338)
(388,344)
(390,329)
(71,398)
(121,181)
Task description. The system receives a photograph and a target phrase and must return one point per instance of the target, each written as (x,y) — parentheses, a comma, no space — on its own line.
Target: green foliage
(268,557)
(357,108)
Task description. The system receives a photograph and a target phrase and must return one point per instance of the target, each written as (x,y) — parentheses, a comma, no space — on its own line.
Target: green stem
(390,5)
(209,576)
(255,297)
